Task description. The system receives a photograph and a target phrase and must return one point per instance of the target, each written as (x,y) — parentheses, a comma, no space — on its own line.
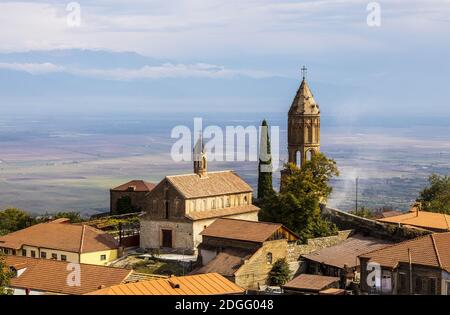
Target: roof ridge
(191,174)
(82,238)
(436,250)
(446,221)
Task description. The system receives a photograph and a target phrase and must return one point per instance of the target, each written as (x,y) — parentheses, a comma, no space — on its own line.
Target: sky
(217,56)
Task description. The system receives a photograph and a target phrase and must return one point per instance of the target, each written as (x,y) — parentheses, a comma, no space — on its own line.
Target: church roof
(135,185)
(304,102)
(213,184)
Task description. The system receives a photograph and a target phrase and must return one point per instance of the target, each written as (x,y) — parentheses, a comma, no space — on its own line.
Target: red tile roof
(430,250)
(227,262)
(243,230)
(347,252)
(214,184)
(421,219)
(137,184)
(309,282)
(204,284)
(76,238)
(51,276)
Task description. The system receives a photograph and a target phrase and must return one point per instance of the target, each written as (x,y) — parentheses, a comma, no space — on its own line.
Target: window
(269,258)
(103,257)
(418,288)
(63,258)
(227,202)
(403,282)
(24,252)
(432,286)
(213,204)
(54,256)
(167,209)
(33,254)
(43,255)
(245,200)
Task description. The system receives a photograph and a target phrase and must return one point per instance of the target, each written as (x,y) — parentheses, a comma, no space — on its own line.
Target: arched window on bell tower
(298,158)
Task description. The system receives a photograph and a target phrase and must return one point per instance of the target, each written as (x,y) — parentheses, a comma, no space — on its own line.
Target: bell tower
(303,125)
(199,155)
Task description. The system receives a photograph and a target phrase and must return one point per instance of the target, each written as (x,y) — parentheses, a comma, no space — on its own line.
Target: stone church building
(182,206)
(303,126)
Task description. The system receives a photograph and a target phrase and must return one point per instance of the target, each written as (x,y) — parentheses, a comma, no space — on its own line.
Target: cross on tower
(304,71)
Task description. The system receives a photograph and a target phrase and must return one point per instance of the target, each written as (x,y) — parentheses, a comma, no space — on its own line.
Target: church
(182,206)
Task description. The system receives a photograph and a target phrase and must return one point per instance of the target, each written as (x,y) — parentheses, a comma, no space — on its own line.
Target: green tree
(298,205)
(265,186)
(280,273)
(5,276)
(436,196)
(13,219)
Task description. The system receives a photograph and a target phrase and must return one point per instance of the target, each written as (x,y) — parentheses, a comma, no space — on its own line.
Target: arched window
(227,204)
(245,200)
(309,155)
(167,209)
(213,203)
(298,158)
(269,258)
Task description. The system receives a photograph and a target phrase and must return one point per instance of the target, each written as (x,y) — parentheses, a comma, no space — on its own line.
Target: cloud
(215,28)
(166,70)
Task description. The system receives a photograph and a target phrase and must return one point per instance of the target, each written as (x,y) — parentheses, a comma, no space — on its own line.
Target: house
(311,284)
(181,206)
(243,251)
(33,276)
(59,240)
(341,260)
(418,266)
(204,284)
(435,222)
(130,197)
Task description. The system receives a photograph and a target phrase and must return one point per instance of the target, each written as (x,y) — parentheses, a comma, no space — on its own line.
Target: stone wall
(368,227)
(182,234)
(296,250)
(253,274)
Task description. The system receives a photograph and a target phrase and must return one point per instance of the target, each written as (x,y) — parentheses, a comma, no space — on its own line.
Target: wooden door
(167,238)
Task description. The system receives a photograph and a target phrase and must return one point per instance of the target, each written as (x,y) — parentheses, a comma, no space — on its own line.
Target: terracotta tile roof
(310,282)
(214,184)
(139,185)
(226,262)
(347,252)
(430,250)
(51,276)
(242,230)
(209,214)
(74,238)
(421,219)
(204,284)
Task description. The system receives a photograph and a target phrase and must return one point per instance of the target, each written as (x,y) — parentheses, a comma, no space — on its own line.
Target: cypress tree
(265,187)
